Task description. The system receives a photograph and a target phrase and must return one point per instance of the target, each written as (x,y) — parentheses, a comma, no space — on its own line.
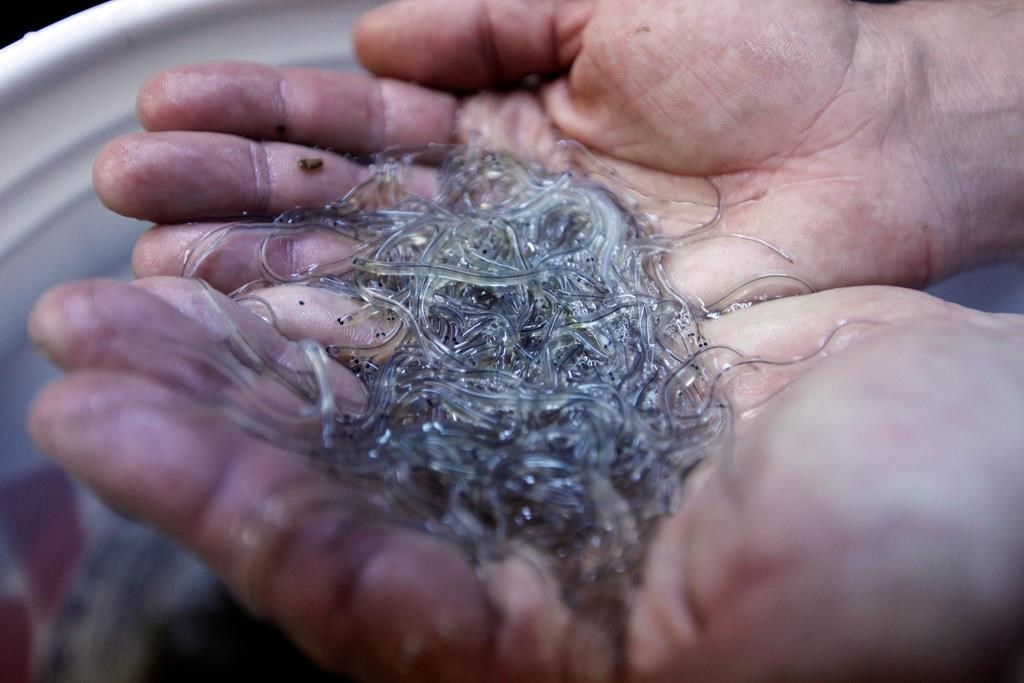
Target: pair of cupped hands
(866,523)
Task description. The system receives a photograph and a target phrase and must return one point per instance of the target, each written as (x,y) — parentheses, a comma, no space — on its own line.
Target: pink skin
(863,525)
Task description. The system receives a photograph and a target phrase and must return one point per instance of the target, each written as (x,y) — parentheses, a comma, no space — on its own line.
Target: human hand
(860,529)
(711,631)
(873,144)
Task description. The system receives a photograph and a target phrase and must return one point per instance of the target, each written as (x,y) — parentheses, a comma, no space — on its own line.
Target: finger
(361,597)
(180,176)
(228,257)
(177,333)
(241,323)
(109,324)
(347,326)
(298,312)
(787,327)
(349,112)
(470,44)
(794,334)
(532,641)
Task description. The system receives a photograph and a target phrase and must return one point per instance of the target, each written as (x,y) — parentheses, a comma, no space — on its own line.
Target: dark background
(35,15)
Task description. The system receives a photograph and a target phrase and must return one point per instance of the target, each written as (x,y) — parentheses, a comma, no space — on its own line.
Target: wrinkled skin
(863,525)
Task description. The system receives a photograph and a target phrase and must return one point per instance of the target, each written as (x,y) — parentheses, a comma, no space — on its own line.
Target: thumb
(469,44)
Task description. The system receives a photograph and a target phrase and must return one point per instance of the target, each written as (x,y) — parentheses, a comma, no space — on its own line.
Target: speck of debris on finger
(310,163)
